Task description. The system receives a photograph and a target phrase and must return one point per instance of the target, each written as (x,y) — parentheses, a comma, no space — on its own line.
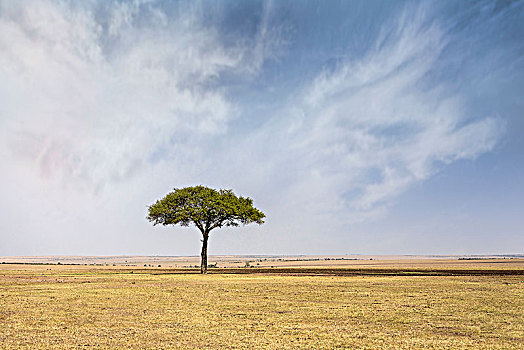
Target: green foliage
(204,207)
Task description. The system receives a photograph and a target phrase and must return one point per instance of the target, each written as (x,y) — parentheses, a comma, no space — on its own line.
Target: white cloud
(105,106)
(83,109)
(365,132)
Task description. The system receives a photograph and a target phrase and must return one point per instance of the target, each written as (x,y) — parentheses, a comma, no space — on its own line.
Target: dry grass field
(268,261)
(108,307)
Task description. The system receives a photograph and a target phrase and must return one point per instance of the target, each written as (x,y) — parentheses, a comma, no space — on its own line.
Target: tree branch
(199,226)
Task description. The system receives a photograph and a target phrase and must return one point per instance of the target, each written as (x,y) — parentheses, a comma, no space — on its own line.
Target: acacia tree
(207,209)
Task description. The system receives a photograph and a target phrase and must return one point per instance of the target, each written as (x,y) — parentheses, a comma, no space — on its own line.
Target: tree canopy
(207,209)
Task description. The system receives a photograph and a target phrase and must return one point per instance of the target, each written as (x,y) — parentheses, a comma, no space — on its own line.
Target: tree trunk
(203,263)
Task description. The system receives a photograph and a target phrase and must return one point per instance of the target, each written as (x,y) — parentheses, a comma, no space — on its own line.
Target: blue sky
(371,127)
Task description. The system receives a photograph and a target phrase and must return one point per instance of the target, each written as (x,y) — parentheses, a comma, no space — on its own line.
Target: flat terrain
(397,304)
(274,261)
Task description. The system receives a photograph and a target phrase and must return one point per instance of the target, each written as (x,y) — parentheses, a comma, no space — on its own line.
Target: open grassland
(66,307)
(276,261)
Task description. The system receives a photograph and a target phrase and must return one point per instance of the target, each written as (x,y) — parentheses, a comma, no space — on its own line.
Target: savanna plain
(324,304)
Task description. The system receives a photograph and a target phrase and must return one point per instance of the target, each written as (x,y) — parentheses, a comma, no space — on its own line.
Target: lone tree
(207,209)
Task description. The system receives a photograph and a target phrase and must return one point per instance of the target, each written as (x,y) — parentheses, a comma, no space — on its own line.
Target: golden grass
(64,307)
(342,261)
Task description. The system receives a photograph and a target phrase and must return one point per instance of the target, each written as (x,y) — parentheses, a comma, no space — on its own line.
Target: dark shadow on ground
(342,272)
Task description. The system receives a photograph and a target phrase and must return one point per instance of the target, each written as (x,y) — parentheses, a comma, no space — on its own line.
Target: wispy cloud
(94,98)
(108,104)
(365,131)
